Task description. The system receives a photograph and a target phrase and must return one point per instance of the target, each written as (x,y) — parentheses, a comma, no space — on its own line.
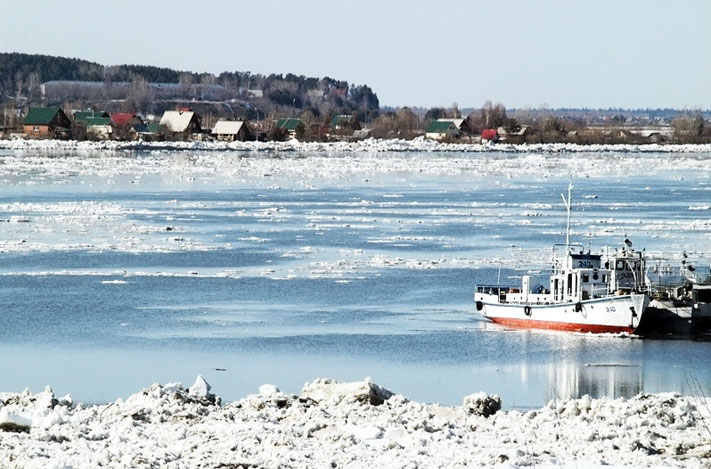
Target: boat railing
(495,289)
(599,292)
(501,291)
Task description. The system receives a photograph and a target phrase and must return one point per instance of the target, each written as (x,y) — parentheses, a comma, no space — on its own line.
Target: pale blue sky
(522,53)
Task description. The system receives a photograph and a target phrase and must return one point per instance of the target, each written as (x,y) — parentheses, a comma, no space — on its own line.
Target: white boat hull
(610,314)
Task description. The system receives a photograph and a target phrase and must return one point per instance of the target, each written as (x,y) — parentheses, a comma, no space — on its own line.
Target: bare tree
(493,116)
(19,84)
(454,112)
(140,96)
(33,85)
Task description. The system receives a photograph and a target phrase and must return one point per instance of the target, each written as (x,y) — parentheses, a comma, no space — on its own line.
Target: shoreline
(370,145)
(356,424)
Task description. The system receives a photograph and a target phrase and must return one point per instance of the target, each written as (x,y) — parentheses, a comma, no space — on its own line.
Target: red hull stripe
(560,326)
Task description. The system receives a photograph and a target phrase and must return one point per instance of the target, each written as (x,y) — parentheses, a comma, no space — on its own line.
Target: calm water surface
(113,280)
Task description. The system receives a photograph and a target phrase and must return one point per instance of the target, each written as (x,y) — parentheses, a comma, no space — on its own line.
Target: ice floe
(349,425)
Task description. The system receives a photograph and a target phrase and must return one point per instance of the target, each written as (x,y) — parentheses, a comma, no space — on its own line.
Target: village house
(125,119)
(344,121)
(125,125)
(442,129)
(42,122)
(362,134)
(489,135)
(463,125)
(79,116)
(230,131)
(96,123)
(513,136)
(151,131)
(98,127)
(182,123)
(289,124)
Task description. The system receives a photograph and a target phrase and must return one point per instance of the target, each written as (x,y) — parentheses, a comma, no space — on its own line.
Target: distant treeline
(21,76)
(16,69)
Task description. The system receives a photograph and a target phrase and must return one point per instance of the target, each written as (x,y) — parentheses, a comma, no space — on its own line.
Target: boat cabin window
(556,292)
(702,296)
(620,265)
(575,283)
(586,278)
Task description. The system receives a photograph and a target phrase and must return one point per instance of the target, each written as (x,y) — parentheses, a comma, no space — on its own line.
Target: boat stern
(640,302)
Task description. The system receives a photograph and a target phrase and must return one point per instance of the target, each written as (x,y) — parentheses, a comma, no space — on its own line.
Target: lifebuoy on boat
(527,310)
(479,305)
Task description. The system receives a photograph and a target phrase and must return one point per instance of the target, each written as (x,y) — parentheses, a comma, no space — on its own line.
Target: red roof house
(489,134)
(125,119)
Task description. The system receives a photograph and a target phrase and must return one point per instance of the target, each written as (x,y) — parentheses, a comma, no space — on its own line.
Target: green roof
(41,115)
(288,123)
(341,119)
(152,128)
(440,127)
(81,116)
(88,121)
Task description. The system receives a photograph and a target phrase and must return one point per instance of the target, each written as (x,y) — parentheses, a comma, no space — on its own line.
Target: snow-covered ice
(348,425)
(391,145)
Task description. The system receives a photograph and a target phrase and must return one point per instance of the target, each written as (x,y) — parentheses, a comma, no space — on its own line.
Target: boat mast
(567,225)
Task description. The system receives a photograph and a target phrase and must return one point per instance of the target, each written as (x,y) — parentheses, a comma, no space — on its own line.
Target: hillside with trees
(57,81)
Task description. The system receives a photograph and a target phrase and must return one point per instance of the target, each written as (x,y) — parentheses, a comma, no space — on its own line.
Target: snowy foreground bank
(354,425)
(419,144)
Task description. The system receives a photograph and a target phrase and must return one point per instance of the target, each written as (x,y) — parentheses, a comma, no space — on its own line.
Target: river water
(118,270)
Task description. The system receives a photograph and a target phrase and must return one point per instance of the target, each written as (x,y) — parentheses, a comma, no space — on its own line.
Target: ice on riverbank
(361,424)
(391,145)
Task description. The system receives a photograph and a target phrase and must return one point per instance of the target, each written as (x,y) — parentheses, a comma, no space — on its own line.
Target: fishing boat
(680,298)
(586,293)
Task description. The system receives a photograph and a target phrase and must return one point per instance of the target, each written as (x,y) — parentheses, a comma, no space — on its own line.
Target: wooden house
(230,131)
(125,119)
(42,122)
(513,136)
(344,121)
(149,132)
(96,123)
(442,129)
(290,124)
(489,135)
(80,116)
(182,123)
(464,125)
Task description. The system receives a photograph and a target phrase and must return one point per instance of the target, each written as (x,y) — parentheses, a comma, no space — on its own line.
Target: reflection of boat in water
(574,380)
(584,294)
